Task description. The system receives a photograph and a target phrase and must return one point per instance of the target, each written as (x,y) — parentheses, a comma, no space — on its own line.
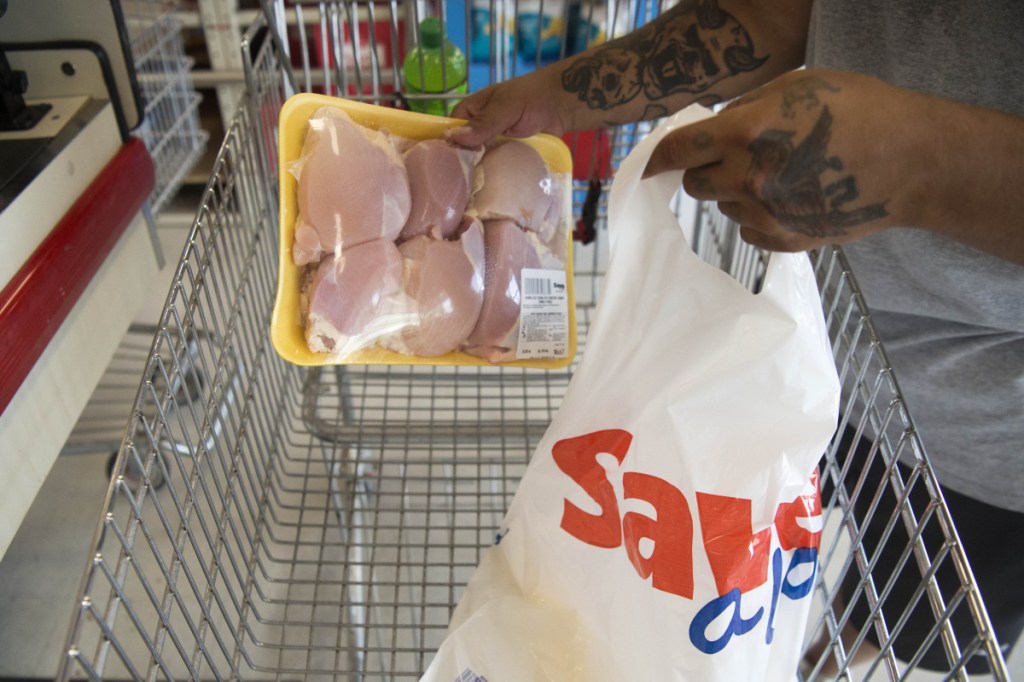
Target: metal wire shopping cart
(320,524)
(170,128)
(171,131)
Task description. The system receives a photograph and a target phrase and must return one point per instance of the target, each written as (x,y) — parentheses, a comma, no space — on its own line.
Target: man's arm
(819,157)
(703,51)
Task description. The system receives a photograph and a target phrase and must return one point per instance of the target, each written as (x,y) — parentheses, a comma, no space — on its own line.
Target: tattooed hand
(814,157)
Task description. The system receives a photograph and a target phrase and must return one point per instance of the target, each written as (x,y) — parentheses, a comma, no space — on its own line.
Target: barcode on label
(543,314)
(535,286)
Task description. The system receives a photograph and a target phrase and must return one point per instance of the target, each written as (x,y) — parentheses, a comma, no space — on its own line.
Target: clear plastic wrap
(416,250)
(508,251)
(352,187)
(442,291)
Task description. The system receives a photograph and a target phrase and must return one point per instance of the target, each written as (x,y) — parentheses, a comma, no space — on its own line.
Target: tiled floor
(39,575)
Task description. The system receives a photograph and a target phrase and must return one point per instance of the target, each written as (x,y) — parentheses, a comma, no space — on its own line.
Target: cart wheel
(133,474)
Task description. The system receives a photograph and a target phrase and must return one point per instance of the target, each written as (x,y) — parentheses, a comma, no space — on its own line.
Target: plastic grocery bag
(668,523)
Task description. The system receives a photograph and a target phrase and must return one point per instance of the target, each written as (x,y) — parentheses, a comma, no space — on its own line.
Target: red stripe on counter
(39,297)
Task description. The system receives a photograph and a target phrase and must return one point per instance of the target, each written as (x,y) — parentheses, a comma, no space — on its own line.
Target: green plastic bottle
(430,71)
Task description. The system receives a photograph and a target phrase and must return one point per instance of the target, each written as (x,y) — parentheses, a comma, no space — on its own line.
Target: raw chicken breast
(515,185)
(348,296)
(443,286)
(306,248)
(352,187)
(439,181)
(507,250)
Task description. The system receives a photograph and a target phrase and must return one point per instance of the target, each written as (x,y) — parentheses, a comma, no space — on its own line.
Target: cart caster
(133,474)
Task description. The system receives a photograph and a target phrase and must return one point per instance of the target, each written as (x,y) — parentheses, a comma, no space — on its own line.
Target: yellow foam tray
(286,329)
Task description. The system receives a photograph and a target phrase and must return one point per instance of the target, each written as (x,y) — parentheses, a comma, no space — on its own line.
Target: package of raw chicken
(399,247)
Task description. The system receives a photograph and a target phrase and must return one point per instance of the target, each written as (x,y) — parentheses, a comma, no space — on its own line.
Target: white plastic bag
(667,525)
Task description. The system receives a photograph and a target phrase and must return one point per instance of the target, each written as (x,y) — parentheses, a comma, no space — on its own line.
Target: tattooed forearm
(709,100)
(654,111)
(695,45)
(788,179)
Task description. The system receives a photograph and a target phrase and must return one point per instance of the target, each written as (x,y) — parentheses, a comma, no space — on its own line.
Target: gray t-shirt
(950,317)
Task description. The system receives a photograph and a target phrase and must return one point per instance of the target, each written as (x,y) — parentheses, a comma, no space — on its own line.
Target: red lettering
(671,562)
(791,533)
(577,458)
(738,556)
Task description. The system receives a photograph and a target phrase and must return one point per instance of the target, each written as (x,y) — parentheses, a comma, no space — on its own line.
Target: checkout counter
(78,254)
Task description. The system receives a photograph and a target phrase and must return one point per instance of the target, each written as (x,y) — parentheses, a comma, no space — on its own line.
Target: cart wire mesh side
(171,131)
(170,128)
(878,493)
(320,524)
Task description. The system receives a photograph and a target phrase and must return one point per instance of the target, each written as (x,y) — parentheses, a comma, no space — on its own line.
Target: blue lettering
(712,610)
(776,588)
(781,584)
(801,556)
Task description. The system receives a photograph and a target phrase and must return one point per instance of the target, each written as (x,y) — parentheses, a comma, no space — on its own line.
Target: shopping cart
(170,128)
(321,523)
(171,131)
